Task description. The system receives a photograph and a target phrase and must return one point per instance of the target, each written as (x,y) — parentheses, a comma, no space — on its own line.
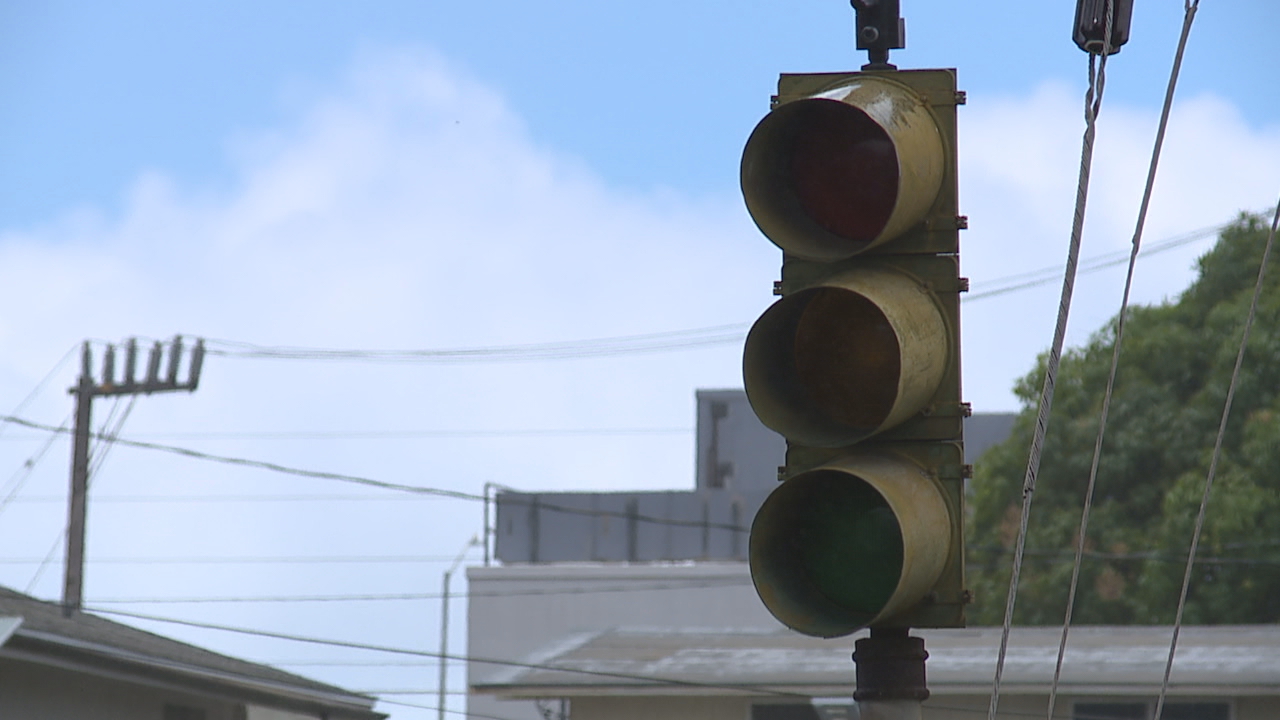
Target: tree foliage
(1175,367)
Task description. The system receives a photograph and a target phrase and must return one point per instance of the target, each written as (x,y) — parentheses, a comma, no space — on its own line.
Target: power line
(1092,106)
(386,485)
(1044,276)
(422,434)
(248,560)
(1063,555)
(745,687)
(263,465)
(1250,316)
(674,682)
(20,477)
(290,498)
(44,381)
(104,438)
(574,349)
(698,585)
(666,341)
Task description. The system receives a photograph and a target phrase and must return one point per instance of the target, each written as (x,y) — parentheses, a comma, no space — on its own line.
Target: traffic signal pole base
(890,672)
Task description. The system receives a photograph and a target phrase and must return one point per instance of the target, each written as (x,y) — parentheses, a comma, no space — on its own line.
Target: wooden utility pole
(85,391)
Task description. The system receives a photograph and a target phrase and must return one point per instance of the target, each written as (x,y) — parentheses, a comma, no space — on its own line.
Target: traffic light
(853,176)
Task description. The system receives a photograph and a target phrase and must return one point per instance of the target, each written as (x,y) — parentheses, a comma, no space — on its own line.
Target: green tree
(1175,366)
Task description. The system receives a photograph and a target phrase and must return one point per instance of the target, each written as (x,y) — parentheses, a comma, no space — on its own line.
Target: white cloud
(411,209)
(1020,159)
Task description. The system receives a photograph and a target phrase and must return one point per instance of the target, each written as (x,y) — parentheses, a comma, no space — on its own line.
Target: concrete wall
(35,692)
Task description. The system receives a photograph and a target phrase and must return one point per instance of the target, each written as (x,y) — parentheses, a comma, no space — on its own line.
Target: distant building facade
(576,565)
(737,459)
(692,642)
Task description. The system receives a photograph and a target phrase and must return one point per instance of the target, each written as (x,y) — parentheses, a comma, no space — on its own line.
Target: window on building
(784,712)
(182,712)
(1110,711)
(1195,711)
(1178,710)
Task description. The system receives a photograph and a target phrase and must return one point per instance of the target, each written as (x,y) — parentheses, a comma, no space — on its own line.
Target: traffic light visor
(836,363)
(849,544)
(828,177)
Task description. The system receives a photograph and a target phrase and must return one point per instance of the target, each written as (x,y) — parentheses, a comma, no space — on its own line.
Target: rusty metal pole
(890,672)
(73,577)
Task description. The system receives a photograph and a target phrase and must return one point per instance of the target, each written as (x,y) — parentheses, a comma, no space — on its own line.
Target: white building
(692,641)
(638,605)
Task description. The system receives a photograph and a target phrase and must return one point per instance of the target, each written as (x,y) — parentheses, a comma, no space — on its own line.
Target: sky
(447,175)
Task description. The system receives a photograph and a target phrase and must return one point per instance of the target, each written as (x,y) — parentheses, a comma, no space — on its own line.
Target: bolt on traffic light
(853,176)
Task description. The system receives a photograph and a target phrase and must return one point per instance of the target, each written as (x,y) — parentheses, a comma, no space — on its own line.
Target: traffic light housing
(853,176)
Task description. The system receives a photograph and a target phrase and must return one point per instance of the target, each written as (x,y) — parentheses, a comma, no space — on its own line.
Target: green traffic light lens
(851,545)
(826,552)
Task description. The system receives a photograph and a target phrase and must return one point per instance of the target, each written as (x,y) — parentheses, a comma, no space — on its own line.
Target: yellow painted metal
(844,170)
(879,518)
(840,361)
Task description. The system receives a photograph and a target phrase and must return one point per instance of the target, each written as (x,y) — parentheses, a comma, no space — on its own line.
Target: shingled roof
(95,643)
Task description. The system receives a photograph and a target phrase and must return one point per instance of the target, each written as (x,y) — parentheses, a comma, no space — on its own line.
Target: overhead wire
(1043,276)
(596,347)
(19,478)
(1092,106)
(673,682)
(690,338)
(1082,532)
(1213,461)
(420,434)
(754,688)
(250,560)
(57,367)
(634,587)
(106,437)
(399,487)
(255,497)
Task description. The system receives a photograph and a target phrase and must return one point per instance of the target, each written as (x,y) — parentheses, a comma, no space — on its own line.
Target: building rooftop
(41,633)
(1215,660)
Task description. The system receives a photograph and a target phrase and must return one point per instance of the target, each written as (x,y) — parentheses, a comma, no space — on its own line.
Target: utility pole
(85,390)
(442,697)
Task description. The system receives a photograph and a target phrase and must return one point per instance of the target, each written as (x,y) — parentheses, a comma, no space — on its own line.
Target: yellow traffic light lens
(843,168)
(837,363)
(847,357)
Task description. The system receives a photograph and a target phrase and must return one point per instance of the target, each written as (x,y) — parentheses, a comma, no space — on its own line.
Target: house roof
(1215,660)
(86,642)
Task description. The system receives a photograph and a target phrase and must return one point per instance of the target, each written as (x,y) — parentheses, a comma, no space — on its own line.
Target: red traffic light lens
(843,168)
(829,176)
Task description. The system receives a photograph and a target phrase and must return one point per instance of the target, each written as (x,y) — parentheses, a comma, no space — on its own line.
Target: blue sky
(401,175)
(658,95)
